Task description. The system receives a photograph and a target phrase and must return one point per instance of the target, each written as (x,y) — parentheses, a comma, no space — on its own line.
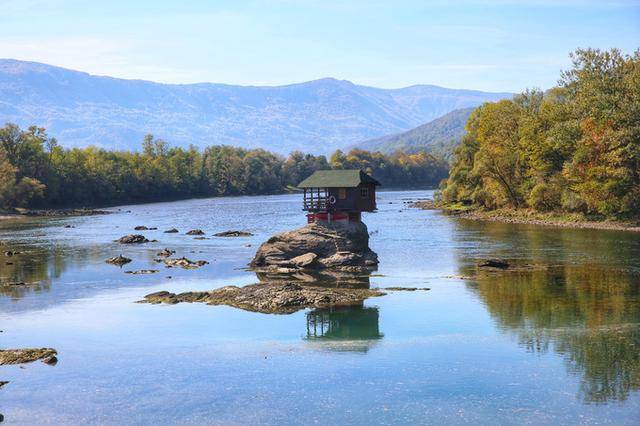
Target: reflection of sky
(122,362)
(442,357)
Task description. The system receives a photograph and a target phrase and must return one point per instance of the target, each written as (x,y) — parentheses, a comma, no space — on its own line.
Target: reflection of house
(346,328)
(338,195)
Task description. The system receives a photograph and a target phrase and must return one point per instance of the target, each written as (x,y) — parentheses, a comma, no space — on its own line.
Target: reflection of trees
(24,272)
(587,314)
(538,244)
(352,329)
(34,266)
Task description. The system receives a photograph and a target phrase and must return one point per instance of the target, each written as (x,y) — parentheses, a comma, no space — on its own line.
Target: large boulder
(318,246)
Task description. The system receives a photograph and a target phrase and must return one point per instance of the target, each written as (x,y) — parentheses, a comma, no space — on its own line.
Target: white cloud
(94,55)
(98,56)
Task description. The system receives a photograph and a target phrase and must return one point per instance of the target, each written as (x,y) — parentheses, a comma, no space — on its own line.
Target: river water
(558,342)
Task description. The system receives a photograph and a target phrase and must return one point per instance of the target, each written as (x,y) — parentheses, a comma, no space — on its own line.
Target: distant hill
(317,116)
(439,137)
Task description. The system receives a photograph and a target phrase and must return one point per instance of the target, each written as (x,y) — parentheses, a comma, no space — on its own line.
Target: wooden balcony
(315,199)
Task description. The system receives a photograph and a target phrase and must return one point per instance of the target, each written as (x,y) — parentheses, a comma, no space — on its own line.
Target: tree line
(574,148)
(36,172)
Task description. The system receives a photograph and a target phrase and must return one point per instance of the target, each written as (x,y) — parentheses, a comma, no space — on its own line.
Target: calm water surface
(556,343)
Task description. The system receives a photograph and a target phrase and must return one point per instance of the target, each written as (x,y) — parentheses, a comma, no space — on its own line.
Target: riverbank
(529,217)
(23,213)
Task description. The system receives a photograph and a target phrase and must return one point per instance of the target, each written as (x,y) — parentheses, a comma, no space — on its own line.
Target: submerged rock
(142,272)
(52,360)
(494,263)
(407,288)
(21,356)
(185,263)
(166,253)
(195,232)
(317,246)
(132,239)
(278,298)
(316,277)
(118,260)
(171,231)
(233,234)
(3,382)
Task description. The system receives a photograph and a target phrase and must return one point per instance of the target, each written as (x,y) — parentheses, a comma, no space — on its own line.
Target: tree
(574,148)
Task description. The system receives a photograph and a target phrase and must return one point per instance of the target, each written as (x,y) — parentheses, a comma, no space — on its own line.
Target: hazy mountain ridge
(317,116)
(440,136)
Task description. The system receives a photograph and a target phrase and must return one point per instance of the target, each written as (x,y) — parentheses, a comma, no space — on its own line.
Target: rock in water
(142,272)
(494,263)
(171,231)
(118,260)
(233,234)
(269,298)
(166,253)
(185,263)
(51,360)
(335,246)
(21,356)
(141,228)
(132,239)
(195,232)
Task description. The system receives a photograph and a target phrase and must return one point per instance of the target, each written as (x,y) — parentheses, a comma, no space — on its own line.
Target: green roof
(337,179)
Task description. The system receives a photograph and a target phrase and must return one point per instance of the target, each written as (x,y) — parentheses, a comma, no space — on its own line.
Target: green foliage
(398,170)
(36,172)
(575,148)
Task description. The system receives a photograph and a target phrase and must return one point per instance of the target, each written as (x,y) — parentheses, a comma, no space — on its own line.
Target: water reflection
(29,269)
(588,314)
(344,329)
(320,278)
(353,328)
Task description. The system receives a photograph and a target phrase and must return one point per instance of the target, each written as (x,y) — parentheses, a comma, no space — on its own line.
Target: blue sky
(500,45)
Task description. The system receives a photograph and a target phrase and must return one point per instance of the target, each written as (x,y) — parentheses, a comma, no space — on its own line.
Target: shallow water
(558,342)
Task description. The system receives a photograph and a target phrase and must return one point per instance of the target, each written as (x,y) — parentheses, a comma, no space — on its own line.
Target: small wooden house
(338,195)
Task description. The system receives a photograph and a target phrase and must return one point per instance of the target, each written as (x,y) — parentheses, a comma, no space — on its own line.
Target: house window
(342,193)
(364,192)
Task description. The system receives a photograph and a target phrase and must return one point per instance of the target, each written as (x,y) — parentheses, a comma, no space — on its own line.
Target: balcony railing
(315,200)
(315,204)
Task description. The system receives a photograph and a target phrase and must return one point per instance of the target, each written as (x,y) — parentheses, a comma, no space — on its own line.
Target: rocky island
(318,246)
(269,298)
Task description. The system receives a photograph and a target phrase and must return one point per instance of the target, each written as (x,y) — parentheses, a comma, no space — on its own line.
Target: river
(556,343)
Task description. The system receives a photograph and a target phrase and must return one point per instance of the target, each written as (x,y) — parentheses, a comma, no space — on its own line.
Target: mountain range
(318,116)
(439,137)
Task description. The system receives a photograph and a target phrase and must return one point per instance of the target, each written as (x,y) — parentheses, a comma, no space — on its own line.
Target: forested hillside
(439,137)
(574,149)
(35,171)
